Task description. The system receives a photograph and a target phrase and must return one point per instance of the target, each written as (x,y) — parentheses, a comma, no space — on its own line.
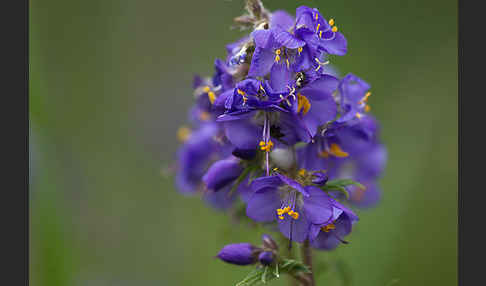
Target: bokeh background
(110,83)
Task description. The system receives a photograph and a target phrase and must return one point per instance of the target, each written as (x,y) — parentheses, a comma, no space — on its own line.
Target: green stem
(307,257)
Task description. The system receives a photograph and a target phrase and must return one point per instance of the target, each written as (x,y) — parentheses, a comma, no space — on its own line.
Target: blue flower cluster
(275,125)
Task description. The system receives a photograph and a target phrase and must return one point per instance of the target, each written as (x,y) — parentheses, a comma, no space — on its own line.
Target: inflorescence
(277,129)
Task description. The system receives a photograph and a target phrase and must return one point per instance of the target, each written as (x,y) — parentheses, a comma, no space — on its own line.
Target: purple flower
(238,253)
(275,118)
(331,233)
(349,151)
(194,156)
(293,206)
(319,34)
(221,173)
(353,92)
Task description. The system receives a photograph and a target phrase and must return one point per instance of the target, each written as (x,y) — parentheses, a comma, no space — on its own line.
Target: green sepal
(340,184)
(264,274)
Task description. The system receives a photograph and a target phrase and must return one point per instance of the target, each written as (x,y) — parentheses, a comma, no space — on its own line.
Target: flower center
(266,146)
(289,211)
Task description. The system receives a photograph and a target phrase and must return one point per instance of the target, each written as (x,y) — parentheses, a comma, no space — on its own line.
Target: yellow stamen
(299,49)
(337,151)
(204,116)
(358,115)
(289,211)
(240,92)
(368,94)
(334,29)
(317,15)
(331,22)
(328,227)
(303,104)
(183,133)
(324,154)
(294,215)
(320,34)
(288,64)
(367,108)
(302,172)
(206,89)
(266,146)
(318,26)
(212,97)
(277,55)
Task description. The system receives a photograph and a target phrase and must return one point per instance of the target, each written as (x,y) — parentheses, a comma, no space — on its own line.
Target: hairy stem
(307,257)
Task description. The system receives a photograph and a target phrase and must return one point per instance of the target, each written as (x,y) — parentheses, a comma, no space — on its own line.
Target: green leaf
(340,184)
(344,183)
(251,278)
(293,266)
(336,188)
(268,273)
(241,177)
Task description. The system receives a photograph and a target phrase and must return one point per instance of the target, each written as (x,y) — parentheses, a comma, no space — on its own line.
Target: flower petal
(263,205)
(261,62)
(317,206)
(294,185)
(242,133)
(295,229)
(281,19)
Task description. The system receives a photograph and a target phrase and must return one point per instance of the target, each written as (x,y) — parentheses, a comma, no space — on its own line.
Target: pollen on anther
(302,172)
(266,146)
(334,29)
(204,116)
(240,92)
(328,227)
(212,97)
(331,22)
(183,133)
(337,151)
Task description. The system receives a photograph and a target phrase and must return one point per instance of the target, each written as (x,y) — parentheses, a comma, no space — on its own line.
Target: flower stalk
(307,257)
(282,137)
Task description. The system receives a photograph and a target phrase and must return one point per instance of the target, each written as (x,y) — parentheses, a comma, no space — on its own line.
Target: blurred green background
(110,82)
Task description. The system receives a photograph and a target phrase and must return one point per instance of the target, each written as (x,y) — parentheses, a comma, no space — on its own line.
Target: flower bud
(222,173)
(238,253)
(319,178)
(266,258)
